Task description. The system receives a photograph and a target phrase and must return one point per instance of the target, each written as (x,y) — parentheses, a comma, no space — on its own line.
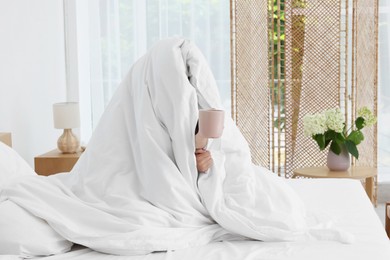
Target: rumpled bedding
(136,189)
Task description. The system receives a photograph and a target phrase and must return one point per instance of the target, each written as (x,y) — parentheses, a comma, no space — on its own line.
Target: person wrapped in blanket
(137,189)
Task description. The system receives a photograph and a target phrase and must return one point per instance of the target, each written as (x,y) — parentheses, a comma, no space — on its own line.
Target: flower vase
(339,162)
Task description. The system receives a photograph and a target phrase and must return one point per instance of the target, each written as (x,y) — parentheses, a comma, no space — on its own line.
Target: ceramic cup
(211,122)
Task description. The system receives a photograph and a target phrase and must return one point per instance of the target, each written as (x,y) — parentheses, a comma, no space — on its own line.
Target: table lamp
(67,116)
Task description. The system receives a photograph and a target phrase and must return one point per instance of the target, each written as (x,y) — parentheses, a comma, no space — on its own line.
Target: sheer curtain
(384,92)
(115,33)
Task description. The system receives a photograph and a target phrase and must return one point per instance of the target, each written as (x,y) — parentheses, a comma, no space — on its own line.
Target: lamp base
(68,142)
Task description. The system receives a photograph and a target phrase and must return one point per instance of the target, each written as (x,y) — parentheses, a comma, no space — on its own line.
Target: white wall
(32,73)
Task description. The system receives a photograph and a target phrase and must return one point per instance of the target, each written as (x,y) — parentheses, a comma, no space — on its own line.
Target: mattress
(345,201)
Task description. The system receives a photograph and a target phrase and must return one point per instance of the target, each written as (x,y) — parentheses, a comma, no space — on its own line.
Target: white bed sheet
(344,200)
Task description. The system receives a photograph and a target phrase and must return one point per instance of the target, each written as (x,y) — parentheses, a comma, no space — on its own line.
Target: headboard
(6,138)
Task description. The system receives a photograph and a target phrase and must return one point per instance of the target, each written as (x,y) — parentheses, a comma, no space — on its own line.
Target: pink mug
(211,122)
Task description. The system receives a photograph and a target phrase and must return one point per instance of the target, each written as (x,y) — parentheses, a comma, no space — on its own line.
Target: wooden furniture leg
(387,218)
(370,188)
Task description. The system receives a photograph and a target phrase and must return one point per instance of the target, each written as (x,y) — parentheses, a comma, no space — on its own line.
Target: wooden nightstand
(54,162)
(354,172)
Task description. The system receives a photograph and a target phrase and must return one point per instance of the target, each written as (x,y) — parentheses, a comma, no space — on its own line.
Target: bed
(345,200)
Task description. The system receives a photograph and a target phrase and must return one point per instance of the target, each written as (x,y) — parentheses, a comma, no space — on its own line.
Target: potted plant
(329,128)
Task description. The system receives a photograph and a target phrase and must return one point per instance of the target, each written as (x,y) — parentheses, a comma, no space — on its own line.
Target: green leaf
(327,142)
(356,136)
(359,122)
(340,138)
(335,147)
(330,135)
(320,139)
(352,149)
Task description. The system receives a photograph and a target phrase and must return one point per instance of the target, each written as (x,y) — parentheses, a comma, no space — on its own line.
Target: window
(384,92)
(113,34)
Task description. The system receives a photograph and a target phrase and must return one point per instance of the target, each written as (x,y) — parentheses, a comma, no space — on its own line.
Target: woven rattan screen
(250,102)
(364,72)
(317,55)
(313,73)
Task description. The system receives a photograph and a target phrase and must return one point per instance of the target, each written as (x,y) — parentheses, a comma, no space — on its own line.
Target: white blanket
(136,188)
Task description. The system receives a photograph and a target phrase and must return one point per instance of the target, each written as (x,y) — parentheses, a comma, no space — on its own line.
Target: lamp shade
(66,115)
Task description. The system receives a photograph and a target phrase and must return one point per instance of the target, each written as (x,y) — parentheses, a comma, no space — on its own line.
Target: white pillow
(26,235)
(22,233)
(12,165)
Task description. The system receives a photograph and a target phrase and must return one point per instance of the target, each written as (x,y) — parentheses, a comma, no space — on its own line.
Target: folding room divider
(293,57)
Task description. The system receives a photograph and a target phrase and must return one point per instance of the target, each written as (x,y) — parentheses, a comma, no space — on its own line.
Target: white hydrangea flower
(368,116)
(314,124)
(335,120)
